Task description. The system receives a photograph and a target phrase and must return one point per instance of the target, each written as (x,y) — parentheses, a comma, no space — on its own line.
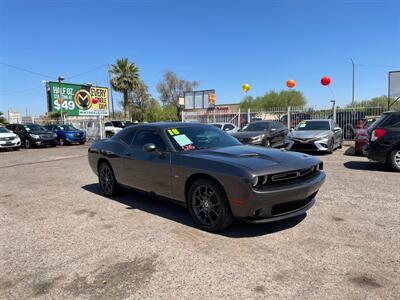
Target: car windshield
(67,128)
(313,125)
(4,130)
(259,126)
(117,124)
(218,125)
(199,137)
(34,127)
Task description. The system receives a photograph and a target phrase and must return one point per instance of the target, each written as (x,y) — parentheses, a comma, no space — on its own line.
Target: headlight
(254,181)
(324,137)
(259,180)
(35,136)
(257,138)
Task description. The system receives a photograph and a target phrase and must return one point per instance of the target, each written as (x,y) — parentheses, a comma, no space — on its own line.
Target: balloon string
(333,95)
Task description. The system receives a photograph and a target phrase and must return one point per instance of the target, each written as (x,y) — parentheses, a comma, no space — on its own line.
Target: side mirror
(337,129)
(149,147)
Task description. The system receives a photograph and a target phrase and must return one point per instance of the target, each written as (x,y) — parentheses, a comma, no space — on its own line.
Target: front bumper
(316,145)
(45,142)
(73,139)
(279,201)
(10,144)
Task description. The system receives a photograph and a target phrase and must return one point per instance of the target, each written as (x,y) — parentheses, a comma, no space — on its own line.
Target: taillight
(377,134)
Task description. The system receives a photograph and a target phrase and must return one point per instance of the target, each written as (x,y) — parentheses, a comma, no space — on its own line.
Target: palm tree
(125,77)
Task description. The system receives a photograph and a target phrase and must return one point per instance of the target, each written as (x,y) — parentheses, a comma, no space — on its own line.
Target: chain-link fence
(346,118)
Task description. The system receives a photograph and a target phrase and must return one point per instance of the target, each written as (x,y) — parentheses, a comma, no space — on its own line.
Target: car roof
(318,120)
(165,125)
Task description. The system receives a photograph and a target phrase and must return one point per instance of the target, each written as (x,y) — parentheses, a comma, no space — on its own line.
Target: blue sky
(222,44)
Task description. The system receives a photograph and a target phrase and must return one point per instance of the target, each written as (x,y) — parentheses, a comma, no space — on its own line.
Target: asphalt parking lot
(60,239)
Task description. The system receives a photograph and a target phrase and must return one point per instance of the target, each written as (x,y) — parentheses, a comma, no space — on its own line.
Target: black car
(208,171)
(33,135)
(384,140)
(263,133)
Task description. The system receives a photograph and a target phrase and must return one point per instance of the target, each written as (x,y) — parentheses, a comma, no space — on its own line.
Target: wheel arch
(100,161)
(196,176)
(395,147)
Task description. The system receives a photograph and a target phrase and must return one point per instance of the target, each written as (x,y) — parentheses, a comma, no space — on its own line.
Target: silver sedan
(315,135)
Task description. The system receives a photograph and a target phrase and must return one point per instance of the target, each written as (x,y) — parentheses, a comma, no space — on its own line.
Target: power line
(86,72)
(21,91)
(26,70)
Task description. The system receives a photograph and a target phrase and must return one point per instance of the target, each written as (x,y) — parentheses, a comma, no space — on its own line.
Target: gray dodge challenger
(216,177)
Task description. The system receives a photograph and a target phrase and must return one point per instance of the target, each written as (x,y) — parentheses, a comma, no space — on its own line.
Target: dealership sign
(77,99)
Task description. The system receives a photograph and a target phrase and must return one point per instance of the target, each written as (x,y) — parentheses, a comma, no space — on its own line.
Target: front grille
(7,138)
(303,146)
(282,208)
(244,140)
(293,174)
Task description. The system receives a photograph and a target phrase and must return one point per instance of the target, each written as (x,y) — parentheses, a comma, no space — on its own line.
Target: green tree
(171,88)
(274,99)
(139,99)
(124,78)
(2,119)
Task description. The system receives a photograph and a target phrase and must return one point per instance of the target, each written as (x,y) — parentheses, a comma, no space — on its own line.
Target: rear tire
(394,160)
(107,182)
(208,206)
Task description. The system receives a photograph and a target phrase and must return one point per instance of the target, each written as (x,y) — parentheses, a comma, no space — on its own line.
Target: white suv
(8,139)
(112,127)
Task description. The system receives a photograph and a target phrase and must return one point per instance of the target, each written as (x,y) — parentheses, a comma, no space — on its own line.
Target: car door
(276,134)
(21,132)
(149,171)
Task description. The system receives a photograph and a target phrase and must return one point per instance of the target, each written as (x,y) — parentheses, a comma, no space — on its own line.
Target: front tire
(208,206)
(107,181)
(394,159)
(62,142)
(28,144)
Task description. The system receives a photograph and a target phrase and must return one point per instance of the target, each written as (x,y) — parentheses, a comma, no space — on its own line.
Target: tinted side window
(392,121)
(108,124)
(127,136)
(149,136)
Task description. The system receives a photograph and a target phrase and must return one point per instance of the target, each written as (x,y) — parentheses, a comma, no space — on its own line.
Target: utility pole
(352,96)
(60,99)
(111,93)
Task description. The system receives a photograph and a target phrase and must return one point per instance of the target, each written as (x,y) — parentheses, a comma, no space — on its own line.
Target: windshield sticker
(27,128)
(301,125)
(182,140)
(188,147)
(173,131)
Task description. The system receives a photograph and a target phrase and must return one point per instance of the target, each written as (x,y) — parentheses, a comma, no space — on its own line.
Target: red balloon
(290,83)
(94,101)
(325,80)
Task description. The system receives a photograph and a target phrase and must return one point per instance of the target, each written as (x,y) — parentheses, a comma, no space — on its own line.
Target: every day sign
(77,99)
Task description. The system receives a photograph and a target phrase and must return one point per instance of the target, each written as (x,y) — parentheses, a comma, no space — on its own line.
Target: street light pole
(60,99)
(352,96)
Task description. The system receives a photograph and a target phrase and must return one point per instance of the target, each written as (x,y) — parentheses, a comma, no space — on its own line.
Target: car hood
(7,135)
(257,159)
(308,134)
(248,134)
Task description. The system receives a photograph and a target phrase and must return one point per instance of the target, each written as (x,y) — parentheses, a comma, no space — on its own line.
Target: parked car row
(309,135)
(15,136)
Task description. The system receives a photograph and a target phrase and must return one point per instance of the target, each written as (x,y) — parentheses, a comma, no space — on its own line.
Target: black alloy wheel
(208,206)
(107,181)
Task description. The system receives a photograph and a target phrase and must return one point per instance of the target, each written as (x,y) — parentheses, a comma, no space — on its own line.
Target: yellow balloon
(245,87)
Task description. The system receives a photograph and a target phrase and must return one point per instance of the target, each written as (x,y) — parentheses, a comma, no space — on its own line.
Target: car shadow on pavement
(367,166)
(178,213)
